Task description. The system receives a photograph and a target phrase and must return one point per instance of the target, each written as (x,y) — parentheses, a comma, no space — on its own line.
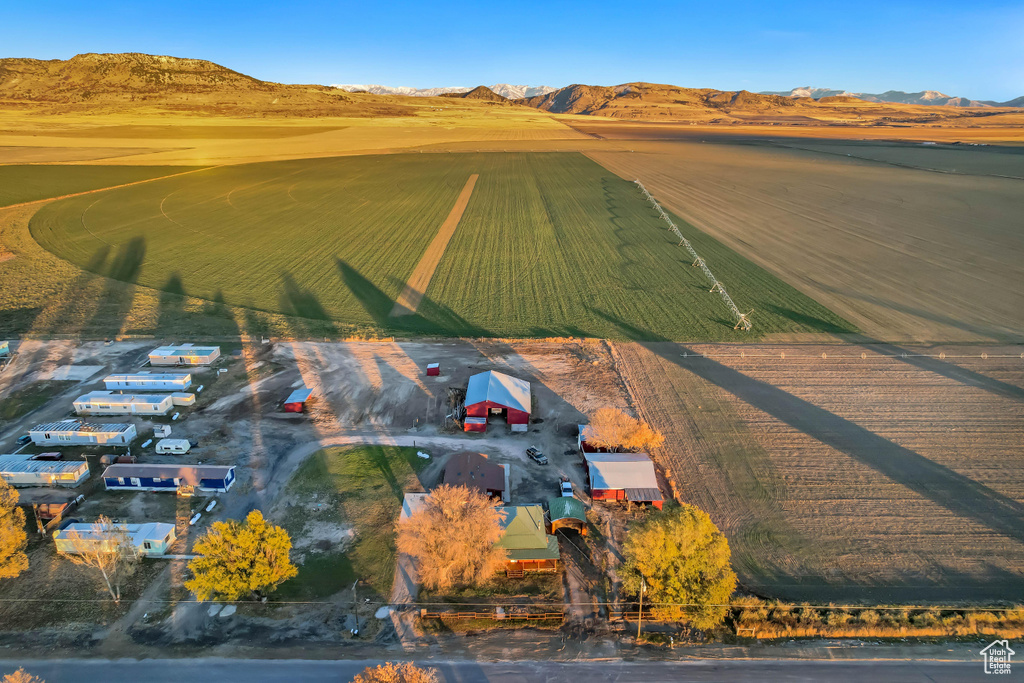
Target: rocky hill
(925,97)
(481,92)
(656,102)
(98,82)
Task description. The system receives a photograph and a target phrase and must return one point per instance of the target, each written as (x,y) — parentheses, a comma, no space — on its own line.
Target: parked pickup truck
(565,486)
(536,455)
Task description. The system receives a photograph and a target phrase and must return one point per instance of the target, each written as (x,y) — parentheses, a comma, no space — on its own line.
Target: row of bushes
(781,620)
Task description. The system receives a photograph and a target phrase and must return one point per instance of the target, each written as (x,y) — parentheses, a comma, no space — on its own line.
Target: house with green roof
(526,539)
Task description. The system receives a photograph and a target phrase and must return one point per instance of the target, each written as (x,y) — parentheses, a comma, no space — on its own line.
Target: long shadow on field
(114,304)
(810,322)
(309,318)
(959,494)
(431,317)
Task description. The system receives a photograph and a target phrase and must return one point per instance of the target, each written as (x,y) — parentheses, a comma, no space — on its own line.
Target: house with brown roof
(475,471)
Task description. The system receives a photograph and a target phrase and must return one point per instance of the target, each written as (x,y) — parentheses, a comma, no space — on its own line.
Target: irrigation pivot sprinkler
(742,319)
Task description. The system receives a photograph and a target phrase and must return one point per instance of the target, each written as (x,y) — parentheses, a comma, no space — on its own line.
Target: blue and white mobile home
(215,478)
(149,381)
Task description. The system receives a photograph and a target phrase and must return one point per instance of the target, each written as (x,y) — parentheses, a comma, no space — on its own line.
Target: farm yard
(550,244)
(841,477)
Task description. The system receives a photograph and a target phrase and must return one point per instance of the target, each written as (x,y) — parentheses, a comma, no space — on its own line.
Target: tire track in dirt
(418,282)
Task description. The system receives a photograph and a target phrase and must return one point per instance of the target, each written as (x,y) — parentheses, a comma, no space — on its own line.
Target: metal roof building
(78,433)
(494,392)
(109,403)
(296,401)
(20,471)
(149,381)
(129,477)
(411,504)
(184,354)
(567,512)
(623,476)
(528,544)
(152,538)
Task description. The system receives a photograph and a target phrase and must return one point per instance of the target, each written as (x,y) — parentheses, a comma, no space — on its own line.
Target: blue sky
(970,49)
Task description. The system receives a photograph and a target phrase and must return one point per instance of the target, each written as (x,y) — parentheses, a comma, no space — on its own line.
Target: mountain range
(926,97)
(512,92)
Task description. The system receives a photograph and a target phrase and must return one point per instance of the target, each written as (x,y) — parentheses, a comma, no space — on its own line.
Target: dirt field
(904,254)
(846,478)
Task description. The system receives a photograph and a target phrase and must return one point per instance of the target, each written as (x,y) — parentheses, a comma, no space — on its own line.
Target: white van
(175,446)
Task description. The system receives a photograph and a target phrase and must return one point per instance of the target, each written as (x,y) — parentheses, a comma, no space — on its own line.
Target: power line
(742,319)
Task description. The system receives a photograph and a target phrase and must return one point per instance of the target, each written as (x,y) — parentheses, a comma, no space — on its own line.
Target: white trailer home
(153,538)
(149,381)
(109,403)
(78,433)
(184,354)
(18,470)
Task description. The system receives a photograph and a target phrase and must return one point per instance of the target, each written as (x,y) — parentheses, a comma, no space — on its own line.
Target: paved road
(307,671)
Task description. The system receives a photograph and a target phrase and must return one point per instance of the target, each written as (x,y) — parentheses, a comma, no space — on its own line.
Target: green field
(27,183)
(551,244)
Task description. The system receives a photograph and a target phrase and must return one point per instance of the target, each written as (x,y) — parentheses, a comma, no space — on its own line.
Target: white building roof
(621,471)
(79,427)
(413,503)
(121,399)
(184,350)
(149,376)
(17,464)
(499,388)
(138,533)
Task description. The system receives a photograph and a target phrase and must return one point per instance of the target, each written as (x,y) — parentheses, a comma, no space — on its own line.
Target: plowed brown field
(905,254)
(844,478)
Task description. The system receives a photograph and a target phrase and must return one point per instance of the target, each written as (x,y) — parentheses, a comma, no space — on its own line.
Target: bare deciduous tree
(390,672)
(452,538)
(613,429)
(107,548)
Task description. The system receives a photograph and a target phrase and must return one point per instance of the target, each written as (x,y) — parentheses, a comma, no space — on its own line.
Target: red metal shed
(296,402)
(497,393)
(433,369)
(623,476)
(475,424)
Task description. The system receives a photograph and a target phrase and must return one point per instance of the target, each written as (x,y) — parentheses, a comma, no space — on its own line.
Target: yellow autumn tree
(452,538)
(21,676)
(613,429)
(239,559)
(390,672)
(13,541)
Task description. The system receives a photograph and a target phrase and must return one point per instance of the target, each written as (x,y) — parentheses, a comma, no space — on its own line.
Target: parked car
(536,455)
(24,439)
(566,487)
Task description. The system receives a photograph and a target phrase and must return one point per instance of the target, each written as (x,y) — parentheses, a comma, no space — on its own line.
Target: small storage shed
(78,433)
(623,476)
(109,403)
(433,369)
(530,547)
(184,354)
(495,393)
(169,477)
(149,381)
(296,401)
(475,471)
(152,538)
(567,513)
(5,348)
(18,470)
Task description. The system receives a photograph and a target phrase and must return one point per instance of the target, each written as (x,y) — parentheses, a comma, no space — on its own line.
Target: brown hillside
(99,82)
(481,92)
(656,102)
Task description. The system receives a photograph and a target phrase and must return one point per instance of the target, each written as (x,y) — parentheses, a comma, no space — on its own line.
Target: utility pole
(640,614)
